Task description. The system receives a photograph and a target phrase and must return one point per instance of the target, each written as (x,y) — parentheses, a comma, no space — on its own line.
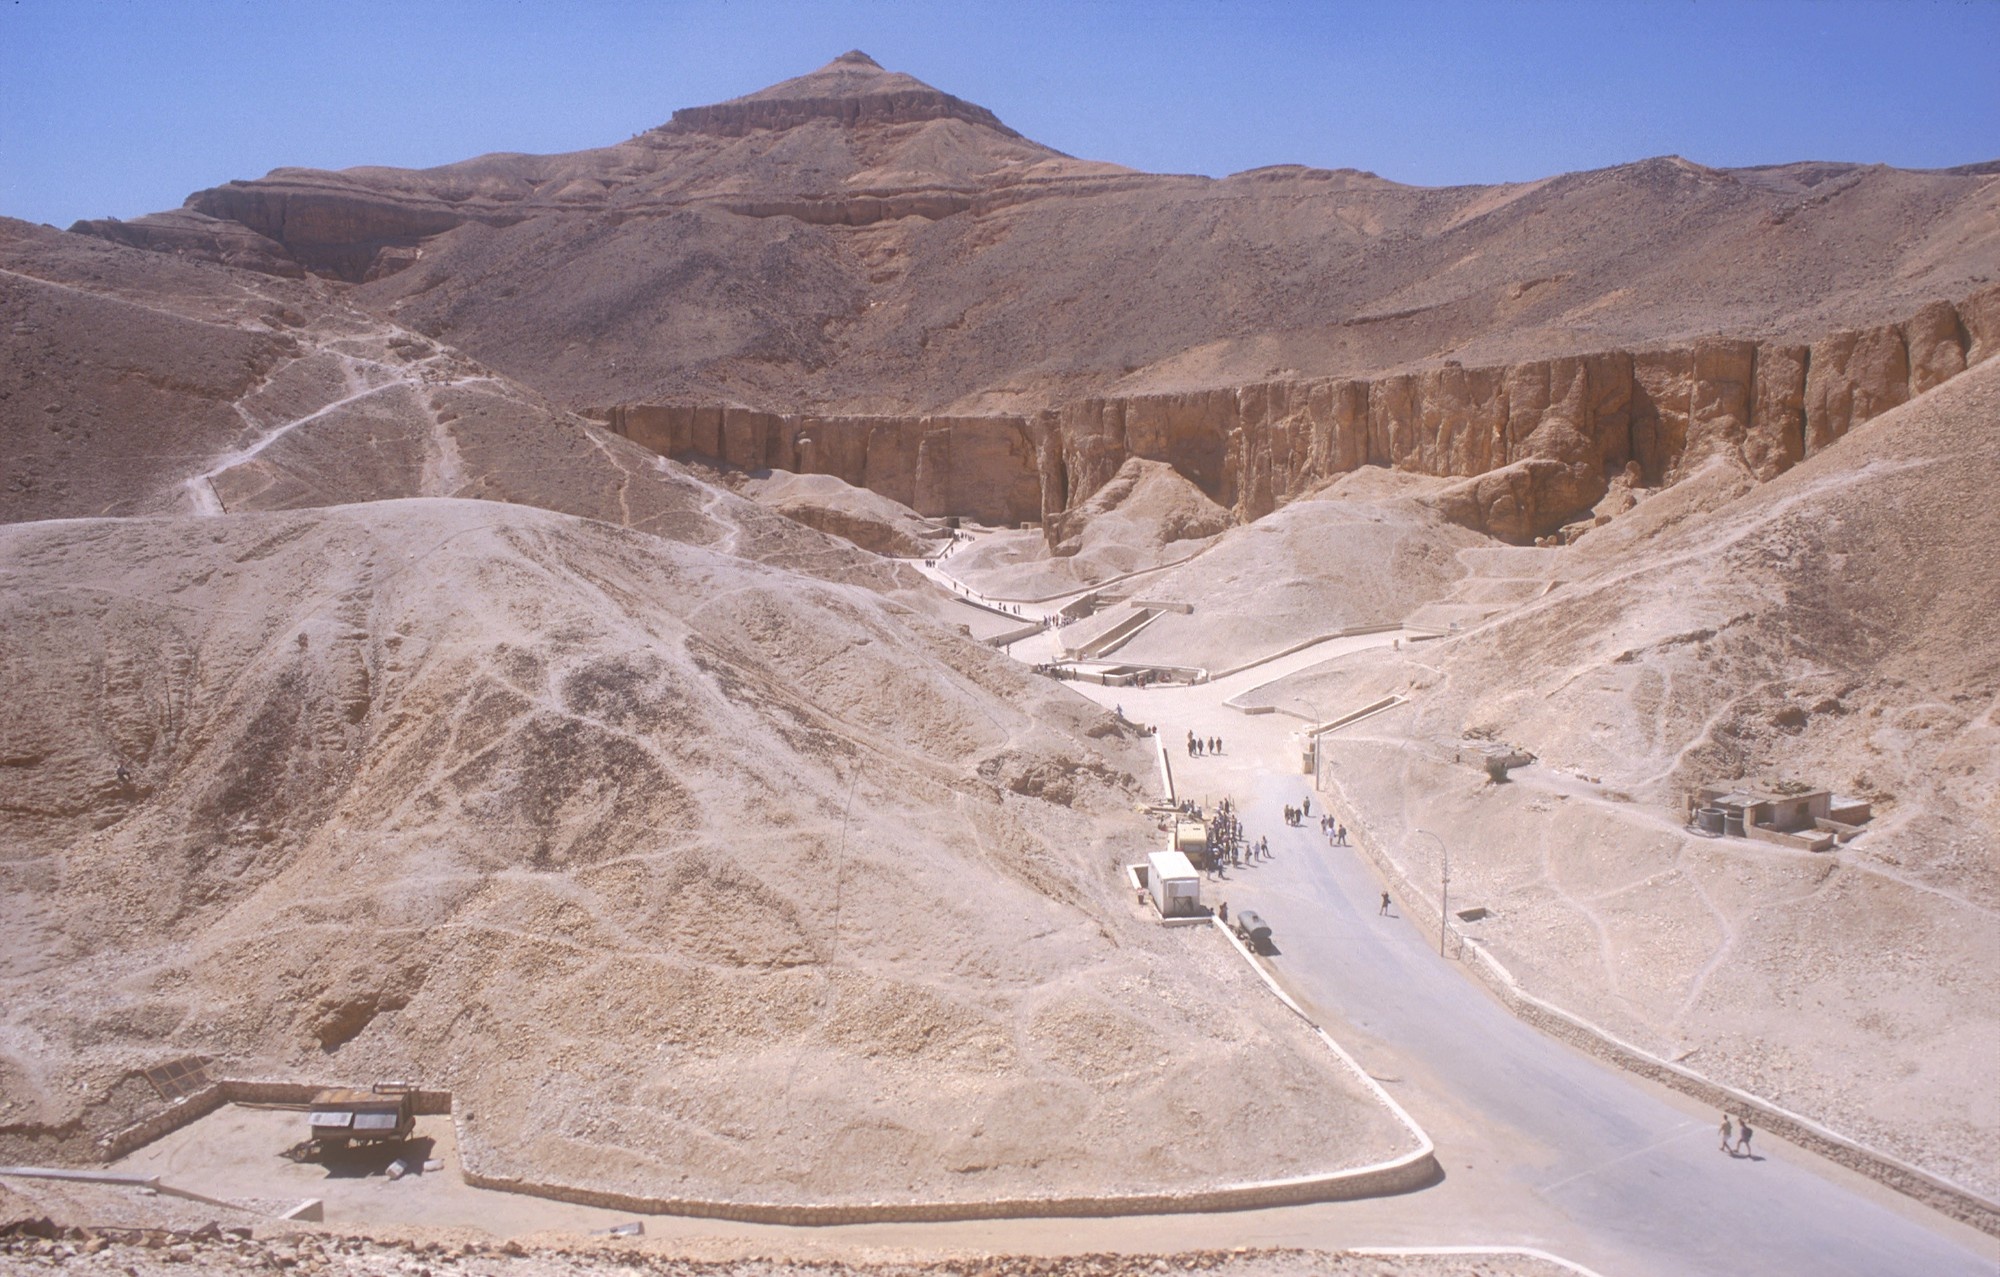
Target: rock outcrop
(852,89)
(985,468)
(185,232)
(1539,442)
(850,144)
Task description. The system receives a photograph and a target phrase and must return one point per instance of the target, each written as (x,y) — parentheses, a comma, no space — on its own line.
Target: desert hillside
(645,851)
(1829,629)
(569,630)
(856,241)
(854,273)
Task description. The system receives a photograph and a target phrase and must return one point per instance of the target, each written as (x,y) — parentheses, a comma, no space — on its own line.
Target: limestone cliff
(1538,442)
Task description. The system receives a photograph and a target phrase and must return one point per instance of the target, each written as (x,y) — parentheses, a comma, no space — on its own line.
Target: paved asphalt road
(1548,1129)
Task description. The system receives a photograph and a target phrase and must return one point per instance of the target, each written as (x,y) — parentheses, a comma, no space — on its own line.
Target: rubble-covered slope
(857,241)
(1829,629)
(687,876)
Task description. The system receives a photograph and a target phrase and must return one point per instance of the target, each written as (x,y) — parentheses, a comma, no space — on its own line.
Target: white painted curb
(1526,1252)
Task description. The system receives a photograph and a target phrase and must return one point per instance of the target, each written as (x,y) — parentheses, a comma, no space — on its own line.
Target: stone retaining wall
(237,1091)
(1413,1170)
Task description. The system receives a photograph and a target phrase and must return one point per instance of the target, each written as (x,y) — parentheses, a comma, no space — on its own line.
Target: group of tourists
(1228,845)
(1197,746)
(1336,833)
(1225,836)
(1296,816)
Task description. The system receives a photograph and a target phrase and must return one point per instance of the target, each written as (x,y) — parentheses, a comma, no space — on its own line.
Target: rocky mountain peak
(852,90)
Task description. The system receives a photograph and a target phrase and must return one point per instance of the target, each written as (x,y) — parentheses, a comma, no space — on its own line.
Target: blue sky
(123,108)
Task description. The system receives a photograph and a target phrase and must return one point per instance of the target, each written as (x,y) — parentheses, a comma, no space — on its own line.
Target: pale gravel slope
(1833,627)
(687,875)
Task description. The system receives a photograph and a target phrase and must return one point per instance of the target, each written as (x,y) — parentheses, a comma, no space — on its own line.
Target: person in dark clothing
(1384,910)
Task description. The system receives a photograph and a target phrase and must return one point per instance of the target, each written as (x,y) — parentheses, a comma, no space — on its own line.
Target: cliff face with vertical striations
(1537,441)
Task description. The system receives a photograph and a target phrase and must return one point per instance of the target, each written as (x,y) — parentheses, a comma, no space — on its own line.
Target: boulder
(1522,501)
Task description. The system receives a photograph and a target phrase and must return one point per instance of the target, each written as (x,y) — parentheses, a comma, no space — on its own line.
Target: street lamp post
(1444,888)
(1312,735)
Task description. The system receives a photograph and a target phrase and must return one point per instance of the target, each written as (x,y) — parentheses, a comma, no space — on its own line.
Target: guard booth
(1174,885)
(1191,840)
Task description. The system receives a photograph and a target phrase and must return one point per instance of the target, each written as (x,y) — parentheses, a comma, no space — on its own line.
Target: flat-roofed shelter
(1811,819)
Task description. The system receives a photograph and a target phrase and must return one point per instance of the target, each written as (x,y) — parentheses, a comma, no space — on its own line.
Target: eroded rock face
(1541,440)
(1979,315)
(853,89)
(187,232)
(1516,502)
(334,229)
(1777,438)
(985,468)
(1850,377)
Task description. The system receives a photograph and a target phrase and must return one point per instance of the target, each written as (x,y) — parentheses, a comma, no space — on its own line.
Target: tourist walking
(1743,1136)
(1384,910)
(1728,1143)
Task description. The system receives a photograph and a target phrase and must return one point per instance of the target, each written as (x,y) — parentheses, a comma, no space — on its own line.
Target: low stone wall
(1115,637)
(168,1120)
(1411,1171)
(237,1091)
(1406,1174)
(1352,631)
(1415,1169)
(1940,1194)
